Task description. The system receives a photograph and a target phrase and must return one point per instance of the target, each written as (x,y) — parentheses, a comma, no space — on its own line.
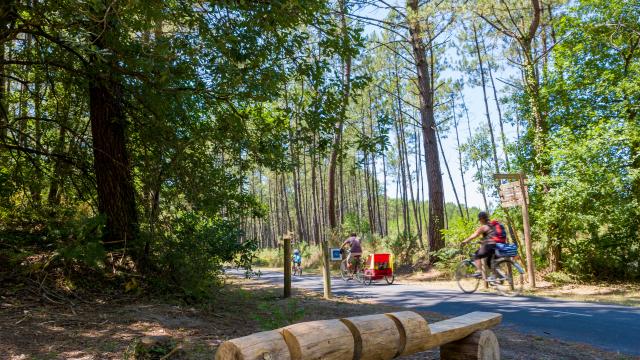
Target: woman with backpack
(492,232)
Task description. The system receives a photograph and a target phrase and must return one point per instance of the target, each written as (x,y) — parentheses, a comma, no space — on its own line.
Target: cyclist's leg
(482,253)
(491,258)
(356,262)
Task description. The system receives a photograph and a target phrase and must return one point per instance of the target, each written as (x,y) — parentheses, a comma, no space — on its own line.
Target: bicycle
(296,269)
(250,273)
(502,275)
(348,274)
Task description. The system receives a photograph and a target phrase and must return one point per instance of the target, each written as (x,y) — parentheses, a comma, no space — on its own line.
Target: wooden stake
(326,270)
(287,265)
(527,233)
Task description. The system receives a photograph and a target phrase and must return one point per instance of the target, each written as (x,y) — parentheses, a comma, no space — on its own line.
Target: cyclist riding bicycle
(297,258)
(355,250)
(492,232)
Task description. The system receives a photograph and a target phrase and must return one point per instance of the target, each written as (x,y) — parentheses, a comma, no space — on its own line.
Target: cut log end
(229,351)
(481,345)
(259,346)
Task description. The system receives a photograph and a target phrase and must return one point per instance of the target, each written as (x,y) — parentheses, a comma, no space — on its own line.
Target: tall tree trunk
(484,96)
(400,142)
(434,175)
(116,194)
(497,101)
(337,140)
(418,201)
(478,164)
(385,194)
(410,180)
(453,186)
(314,198)
(455,125)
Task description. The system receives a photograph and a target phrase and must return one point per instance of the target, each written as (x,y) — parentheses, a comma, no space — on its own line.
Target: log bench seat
(371,337)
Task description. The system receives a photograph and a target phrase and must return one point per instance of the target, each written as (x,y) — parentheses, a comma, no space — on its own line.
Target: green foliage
(270,257)
(81,242)
(560,278)
(275,314)
(588,204)
(354,223)
(449,256)
(191,256)
(403,247)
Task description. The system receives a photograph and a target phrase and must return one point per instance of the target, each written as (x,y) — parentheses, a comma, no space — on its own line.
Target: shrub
(403,247)
(190,257)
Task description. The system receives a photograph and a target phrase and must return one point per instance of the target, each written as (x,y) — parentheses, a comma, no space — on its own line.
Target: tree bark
(464,184)
(116,194)
(453,186)
(338,135)
(434,175)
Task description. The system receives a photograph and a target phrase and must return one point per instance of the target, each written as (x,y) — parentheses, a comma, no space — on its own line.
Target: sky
(473,97)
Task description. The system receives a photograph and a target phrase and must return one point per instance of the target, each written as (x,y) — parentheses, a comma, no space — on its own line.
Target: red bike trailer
(379,266)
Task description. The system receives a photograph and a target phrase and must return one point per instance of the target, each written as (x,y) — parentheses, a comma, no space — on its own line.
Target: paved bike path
(610,327)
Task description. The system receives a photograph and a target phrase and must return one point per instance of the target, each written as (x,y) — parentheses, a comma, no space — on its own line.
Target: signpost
(513,194)
(326,270)
(287,265)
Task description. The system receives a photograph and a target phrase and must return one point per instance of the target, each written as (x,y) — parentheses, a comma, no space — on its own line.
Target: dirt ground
(34,327)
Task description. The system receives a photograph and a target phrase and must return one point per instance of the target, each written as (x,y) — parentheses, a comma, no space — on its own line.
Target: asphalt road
(611,327)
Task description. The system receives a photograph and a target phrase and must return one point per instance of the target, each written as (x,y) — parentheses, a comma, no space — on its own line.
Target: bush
(403,246)
(190,258)
(447,258)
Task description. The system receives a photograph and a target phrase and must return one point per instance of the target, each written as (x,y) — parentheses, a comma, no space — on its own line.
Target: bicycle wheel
(344,271)
(389,279)
(466,278)
(509,278)
(358,276)
(366,279)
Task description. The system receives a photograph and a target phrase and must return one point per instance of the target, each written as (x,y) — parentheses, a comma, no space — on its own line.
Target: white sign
(511,194)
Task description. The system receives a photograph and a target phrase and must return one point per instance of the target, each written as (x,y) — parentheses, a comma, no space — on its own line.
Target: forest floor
(32,327)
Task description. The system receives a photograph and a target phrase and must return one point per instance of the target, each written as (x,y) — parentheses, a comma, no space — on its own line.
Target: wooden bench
(371,337)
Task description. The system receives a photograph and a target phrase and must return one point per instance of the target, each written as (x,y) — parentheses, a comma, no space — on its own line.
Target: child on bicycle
(297,258)
(491,232)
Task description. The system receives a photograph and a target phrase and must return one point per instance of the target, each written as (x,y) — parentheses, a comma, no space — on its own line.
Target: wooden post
(287,265)
(509,198)
(326,270)
(527,233)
